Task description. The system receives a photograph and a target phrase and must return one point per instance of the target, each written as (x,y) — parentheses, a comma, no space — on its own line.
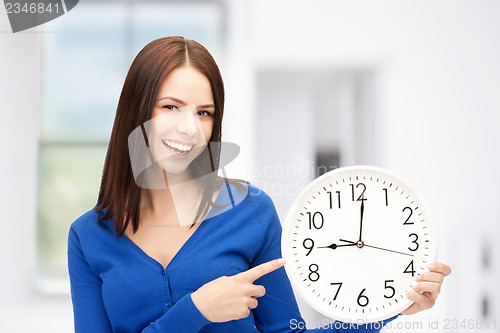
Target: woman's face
(182,119)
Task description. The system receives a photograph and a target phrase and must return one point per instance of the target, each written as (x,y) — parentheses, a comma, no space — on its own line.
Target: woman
(170,246)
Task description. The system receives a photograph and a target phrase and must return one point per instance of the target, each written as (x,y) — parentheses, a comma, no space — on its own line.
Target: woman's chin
(175,169)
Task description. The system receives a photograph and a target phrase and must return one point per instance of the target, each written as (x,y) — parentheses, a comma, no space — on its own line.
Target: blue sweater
(117,287)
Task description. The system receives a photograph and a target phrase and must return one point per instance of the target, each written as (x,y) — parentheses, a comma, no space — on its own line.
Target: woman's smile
(178,149)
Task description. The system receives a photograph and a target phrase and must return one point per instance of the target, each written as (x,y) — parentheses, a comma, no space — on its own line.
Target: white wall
(22,307)
(439,113)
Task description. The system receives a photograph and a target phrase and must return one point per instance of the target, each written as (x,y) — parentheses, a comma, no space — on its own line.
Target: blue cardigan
(117,287)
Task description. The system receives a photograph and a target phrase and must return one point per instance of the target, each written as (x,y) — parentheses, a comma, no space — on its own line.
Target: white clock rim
(404,305)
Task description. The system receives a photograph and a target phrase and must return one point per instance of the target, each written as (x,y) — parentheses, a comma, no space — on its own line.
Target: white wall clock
(354,240)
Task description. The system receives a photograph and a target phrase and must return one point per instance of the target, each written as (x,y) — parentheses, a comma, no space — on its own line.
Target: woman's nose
(188,122)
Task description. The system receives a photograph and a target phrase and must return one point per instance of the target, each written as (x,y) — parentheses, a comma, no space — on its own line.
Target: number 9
(310,248)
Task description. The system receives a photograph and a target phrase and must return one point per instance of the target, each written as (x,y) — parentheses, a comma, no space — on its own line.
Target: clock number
(340,286)
(362,297)
(313,272)
(411,212)
(413,242)
(362,195)
(310,248)
(331,198)
(313,220)
(389,287)
(412,270)
(386,199)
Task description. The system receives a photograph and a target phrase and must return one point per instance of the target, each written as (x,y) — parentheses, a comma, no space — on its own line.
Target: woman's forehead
(187,85)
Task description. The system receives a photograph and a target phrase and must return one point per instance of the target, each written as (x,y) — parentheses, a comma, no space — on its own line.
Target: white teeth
(176,145)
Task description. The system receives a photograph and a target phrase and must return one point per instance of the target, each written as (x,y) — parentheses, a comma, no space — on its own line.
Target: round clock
(354,240)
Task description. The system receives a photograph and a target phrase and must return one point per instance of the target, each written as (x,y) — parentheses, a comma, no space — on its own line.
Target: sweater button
(163,273)
(167,304)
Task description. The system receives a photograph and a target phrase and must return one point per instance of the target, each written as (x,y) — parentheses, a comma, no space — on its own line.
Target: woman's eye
(204,113)
(170,107)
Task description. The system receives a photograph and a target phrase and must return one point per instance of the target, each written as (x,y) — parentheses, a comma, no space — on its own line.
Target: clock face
(354,241)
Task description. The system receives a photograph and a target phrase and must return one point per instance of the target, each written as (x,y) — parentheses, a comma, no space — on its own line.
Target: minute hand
(380,248)
(362,210)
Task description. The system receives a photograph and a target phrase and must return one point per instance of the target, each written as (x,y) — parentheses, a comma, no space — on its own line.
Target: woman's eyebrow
(204,106)
(173,99)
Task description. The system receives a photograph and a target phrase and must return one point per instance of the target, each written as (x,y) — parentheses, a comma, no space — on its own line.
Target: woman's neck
(174,206)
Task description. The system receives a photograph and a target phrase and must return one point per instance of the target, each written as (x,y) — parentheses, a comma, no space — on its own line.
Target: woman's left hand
(427,290)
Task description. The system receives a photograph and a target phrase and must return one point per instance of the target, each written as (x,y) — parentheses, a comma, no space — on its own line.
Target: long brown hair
(119,195)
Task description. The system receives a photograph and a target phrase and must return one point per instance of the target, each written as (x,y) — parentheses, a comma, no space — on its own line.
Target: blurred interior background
(311,85)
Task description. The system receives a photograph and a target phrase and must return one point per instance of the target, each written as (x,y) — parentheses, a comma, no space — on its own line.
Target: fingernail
(431,267)
(418,278)
(415,287)
(280,261)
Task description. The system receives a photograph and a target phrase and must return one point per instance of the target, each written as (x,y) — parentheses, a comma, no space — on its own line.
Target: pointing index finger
(256,272)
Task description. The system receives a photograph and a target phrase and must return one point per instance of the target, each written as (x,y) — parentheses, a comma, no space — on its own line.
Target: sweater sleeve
(277,311)
(88,307)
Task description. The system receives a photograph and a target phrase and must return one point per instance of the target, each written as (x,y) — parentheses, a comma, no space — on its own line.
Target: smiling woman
(170,246)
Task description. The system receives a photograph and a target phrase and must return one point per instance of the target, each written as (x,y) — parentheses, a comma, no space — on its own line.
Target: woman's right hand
(231,297)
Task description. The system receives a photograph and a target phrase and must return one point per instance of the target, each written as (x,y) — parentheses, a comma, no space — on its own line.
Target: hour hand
(333,246)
